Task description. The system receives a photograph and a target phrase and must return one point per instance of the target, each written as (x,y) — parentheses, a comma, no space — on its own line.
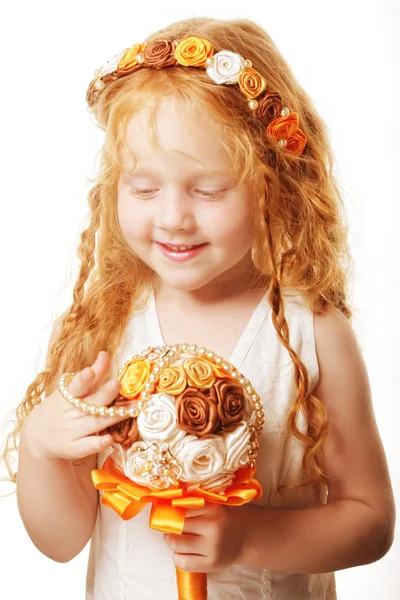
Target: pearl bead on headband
(224,67)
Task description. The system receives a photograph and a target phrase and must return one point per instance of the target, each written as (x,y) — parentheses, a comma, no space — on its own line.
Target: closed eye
(147,192)
(209,194)
(137,191)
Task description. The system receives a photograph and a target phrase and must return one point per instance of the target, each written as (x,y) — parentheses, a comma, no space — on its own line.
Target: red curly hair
(301,242)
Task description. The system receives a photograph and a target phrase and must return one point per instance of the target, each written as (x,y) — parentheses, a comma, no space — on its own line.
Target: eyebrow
(205,173)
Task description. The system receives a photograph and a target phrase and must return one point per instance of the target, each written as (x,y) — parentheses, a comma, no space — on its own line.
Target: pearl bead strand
(162,357)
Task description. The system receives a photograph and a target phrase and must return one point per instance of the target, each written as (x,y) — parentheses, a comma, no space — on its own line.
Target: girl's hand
(212,539)
(57,429)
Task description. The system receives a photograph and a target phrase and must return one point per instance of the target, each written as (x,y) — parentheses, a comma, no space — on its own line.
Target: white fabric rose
(141,463)
(216,483)
(200,458)
(237,446)
(157,422)
(225,67)
(130,462)
(111,65)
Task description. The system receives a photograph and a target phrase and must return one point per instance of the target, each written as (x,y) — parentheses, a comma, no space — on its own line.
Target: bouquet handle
(191,586)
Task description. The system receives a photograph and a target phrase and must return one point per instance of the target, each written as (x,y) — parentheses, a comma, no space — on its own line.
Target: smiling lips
(180,252)
(180,247)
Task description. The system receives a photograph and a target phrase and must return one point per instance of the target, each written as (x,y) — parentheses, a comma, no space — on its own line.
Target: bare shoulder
(355,460)
(343,384)
(343,379)
(333,329)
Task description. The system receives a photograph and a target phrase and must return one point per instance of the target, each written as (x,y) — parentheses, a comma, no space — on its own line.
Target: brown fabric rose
(230,401)
(159,54)
(125,432)
(269,107)
(196,412)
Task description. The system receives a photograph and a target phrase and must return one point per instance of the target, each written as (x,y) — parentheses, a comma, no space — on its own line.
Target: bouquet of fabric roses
(190,437)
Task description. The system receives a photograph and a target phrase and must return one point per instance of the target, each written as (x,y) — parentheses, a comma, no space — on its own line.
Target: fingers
(81,384)
(100,367)
(185,543)
(92,444)
(105,394)
(90,424)
(86,382)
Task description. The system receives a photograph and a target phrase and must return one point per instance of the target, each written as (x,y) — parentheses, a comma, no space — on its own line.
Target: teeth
(180,248)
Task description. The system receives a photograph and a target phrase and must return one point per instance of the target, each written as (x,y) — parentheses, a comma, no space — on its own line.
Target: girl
(215,220)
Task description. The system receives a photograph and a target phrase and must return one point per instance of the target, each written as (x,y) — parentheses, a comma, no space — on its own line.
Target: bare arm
(57,514)
(56,500)
(356,526)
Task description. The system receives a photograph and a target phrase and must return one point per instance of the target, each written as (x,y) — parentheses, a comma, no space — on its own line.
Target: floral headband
(224,67)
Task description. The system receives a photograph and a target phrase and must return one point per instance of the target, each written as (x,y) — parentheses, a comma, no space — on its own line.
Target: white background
(345,55)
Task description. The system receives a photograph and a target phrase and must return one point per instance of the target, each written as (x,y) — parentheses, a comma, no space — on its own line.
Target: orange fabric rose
(251,82)
(193,52)
(283,127)
(128,63)
(133,377)
(199,372)
(297,142)
(286,128)
(219,371)
(172,380)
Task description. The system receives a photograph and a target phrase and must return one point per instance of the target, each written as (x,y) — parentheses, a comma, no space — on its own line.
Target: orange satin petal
(246,74)
(129,58)
(133,376)
(172,380)
(199,372)
(296,143)
(193,51)
(191,586)
(220,372)
(283,127)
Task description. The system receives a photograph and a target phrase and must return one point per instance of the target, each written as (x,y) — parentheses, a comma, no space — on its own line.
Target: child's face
(178,210)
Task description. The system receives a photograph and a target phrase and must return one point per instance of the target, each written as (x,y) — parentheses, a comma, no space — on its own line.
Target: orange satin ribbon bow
(168,509)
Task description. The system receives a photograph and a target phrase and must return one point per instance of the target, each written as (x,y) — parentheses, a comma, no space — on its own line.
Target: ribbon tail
(167,518)
(124,506)
(191,586)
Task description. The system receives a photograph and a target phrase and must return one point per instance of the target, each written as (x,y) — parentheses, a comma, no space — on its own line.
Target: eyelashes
(147,192)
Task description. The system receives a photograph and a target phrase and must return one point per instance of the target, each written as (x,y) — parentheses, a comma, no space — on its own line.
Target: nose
(175,210)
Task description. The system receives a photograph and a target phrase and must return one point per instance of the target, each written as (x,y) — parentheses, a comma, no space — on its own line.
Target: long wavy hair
(301,240)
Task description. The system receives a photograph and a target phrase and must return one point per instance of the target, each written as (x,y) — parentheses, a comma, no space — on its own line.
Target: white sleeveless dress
(130,561)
